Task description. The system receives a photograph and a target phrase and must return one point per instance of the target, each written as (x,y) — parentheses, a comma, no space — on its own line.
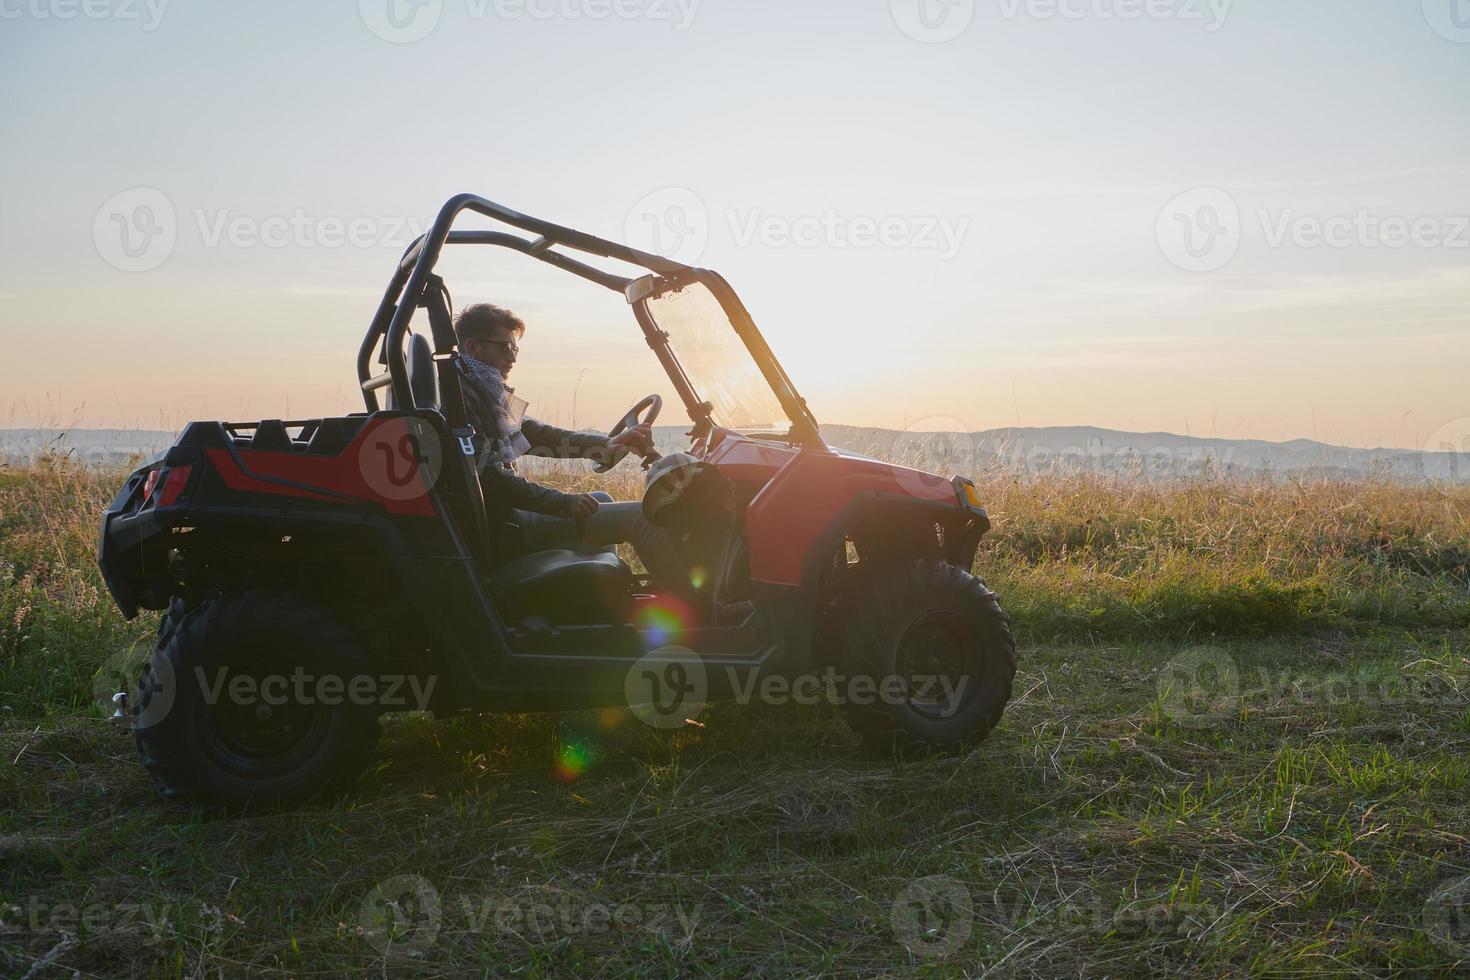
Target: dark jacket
(505,489)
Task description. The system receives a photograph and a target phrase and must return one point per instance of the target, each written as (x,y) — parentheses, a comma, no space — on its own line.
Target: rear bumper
(132,545)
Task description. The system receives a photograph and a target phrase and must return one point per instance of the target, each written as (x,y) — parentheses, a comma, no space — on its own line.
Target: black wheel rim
(938,653)
(258,740)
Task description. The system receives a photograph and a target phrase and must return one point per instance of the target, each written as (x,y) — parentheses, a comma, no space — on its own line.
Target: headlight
(969,497)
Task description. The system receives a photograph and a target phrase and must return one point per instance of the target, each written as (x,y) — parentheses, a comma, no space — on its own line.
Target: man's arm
(514,491)
(550,441)
(499,483)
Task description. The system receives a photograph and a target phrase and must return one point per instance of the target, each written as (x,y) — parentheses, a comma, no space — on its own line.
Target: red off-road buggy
(317,573)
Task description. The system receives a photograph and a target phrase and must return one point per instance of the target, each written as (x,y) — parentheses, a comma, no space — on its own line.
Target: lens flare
(574,759)
(664,620)
(698,576)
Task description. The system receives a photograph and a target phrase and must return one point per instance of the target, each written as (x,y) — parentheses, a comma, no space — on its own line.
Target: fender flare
(961,552)
(794,610)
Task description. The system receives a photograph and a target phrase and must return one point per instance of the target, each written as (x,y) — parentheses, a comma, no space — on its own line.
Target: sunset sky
(1245,220)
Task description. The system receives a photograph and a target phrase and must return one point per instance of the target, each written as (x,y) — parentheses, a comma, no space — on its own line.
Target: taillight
(173,485)
(173,480)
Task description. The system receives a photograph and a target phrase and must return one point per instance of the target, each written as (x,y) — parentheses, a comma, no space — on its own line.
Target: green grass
(1299,809)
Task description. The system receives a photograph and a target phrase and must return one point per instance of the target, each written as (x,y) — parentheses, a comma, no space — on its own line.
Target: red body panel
(380,467)
(807,490)
(746,460)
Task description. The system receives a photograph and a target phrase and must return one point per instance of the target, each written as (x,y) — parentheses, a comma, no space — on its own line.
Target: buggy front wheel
(936,645)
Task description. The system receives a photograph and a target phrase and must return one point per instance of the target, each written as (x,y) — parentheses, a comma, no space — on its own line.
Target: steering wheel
(643,413)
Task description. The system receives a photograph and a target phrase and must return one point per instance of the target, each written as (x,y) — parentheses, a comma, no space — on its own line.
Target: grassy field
(1238,744)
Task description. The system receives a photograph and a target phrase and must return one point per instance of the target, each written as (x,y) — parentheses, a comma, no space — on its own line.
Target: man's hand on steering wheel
(637,440)
(633,433)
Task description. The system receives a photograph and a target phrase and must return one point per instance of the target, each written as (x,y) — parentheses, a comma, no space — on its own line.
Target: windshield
(716,361)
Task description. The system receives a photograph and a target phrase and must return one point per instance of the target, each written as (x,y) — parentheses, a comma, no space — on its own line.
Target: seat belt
(436,301)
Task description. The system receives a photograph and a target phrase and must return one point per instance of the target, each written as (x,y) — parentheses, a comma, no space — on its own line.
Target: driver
(549,519)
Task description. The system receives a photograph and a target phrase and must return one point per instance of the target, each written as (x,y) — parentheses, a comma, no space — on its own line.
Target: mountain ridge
(1030,449)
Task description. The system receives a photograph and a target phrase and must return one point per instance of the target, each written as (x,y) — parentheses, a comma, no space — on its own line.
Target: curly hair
(479,321)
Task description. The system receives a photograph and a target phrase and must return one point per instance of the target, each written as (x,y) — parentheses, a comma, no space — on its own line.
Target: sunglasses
(510,346)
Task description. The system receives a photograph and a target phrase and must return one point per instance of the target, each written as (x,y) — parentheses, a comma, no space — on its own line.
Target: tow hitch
(121,718)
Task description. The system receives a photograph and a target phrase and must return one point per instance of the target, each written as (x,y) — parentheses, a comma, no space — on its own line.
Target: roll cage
(414,285)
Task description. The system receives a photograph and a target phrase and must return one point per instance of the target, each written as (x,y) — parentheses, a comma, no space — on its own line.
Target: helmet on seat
(678,487)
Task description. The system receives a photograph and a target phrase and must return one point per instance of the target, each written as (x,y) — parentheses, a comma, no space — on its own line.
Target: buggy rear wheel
(937,641)
(245,703)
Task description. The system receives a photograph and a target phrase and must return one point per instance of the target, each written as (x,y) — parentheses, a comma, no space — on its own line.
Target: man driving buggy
(548,518)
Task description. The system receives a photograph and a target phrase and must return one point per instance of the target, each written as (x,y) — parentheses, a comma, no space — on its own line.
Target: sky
(1242,219)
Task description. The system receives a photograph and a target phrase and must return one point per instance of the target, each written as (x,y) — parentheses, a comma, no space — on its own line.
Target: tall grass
(1086,556)
(1074,558)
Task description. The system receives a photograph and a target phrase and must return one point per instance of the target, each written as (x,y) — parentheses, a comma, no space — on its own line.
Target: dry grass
(1307,826)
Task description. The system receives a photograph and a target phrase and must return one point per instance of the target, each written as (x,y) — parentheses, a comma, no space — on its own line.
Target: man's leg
(542,532)
(613,524)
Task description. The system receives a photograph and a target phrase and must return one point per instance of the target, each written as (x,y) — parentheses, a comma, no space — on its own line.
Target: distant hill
(1150,455)
(101,447)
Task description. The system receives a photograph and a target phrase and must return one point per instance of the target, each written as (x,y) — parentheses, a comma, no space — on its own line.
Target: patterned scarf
(487,375)
(508,444)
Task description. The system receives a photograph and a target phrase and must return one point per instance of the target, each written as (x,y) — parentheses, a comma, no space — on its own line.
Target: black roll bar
(418,261)
(406,290)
